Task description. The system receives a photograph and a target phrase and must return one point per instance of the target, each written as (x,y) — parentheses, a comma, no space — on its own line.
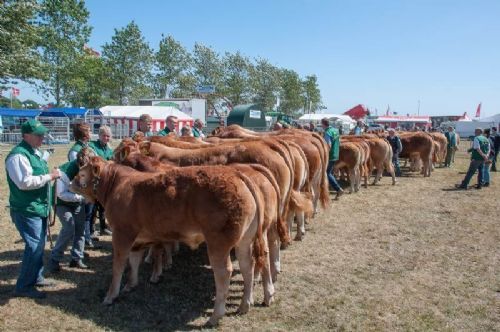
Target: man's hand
(55,174)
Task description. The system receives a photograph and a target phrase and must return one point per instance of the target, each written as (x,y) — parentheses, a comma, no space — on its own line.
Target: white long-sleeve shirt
(63,192)
(21,173)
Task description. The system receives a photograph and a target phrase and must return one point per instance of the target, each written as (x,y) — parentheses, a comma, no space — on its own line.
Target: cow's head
(88,178)
(145,148)
(126,143)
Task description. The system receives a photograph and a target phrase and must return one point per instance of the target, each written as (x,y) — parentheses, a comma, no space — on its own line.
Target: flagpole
(10,97)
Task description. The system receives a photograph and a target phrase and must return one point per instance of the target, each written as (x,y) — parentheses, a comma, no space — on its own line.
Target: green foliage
(129,60)
(5,102)
(30,104)
(264,83)
(290,92)
(312,94)
(18,40)
(236,78)
(207,65)
(64,31)
(172,62)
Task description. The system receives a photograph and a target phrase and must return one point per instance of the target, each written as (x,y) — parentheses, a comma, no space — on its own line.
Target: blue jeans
(395,163)
(331,179)
(89,228)
(33,231)
(73,226)
(486,172)
(475,165)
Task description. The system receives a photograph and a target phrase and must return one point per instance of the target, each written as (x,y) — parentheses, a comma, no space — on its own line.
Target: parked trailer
(466,128)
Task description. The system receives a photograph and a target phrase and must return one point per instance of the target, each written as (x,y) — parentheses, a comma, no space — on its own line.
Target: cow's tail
(259,245)
(280,222)
(302,201)
(323,190)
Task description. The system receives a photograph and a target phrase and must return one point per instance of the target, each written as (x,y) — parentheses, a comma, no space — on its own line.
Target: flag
(15,92)
(478,111)
(387,112)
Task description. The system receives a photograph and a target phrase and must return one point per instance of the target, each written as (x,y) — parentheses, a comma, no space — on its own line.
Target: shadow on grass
(184,293)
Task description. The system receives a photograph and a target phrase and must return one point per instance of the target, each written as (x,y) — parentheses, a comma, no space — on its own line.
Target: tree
(207,65)
(291,99)
(172,61)
(186,86)
(264,83)
(18,40)
(64,32)
(30,104)
(236,78)
(88,84)
(129,60)
(312,94)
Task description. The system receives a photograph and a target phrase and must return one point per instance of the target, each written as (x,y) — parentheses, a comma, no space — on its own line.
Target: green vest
(71,170)
(452,139)
(104,152)
(335,147)
(77,147)
(164,132)
(31,203)
(196,132)
(484,145)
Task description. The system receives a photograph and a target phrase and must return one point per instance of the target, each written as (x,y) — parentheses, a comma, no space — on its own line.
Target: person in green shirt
(451,147)
(102,149)
(332,138)
(198,129)
(81,134)
(145,125)
(479,155)
(28,178)
(170,124)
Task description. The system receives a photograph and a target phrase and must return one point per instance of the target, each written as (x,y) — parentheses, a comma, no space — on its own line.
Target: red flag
(15,92)
(478,111)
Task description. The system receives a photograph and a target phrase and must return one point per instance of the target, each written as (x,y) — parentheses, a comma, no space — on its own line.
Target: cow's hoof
(212,322)
(107,301)
(283,246)
(298,237)
(128,288)
(167,267)
(268,302)
(243,309)
(154,281)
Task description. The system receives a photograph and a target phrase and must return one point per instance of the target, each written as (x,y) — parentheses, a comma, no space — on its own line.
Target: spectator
(486,168)
(397,147)
(311,126)
(358,130)
(102,149)
(496,145)
(480,152)
(81,134)
(170,124)
(198,129)
(70,208)
(186,131)
(332,138)
(29,179)
(451,147)
(277,126)
(145,125)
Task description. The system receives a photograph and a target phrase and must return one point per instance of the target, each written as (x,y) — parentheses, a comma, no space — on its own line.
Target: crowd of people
(31,193)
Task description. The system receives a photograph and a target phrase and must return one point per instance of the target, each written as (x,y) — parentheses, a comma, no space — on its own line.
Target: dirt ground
(416,256)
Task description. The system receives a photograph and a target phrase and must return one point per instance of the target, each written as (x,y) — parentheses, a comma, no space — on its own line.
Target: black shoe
(33,294)
(91,245)
(53,266)
(106,232)
(478,186)
(460,186)
(45,283)
(86,255)
(486,184)
(78,264)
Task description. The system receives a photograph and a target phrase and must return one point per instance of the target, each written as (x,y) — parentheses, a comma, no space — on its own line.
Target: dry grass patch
(409,257)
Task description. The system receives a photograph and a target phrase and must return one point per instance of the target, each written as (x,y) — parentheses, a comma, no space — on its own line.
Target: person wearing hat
(81,133)
(332,138)
(102,149)
(451,147)
(70,208)
(170,123)
(479,155)
(397,147)
(28,178)
(145,125)
(496,146)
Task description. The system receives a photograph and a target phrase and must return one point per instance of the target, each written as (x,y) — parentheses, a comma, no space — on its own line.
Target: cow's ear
(124,153)
(96,170)
(145,147)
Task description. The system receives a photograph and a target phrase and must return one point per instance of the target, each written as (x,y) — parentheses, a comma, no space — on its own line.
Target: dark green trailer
(250,116)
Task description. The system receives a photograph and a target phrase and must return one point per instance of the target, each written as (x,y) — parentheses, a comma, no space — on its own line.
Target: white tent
(318,116)
(494,118)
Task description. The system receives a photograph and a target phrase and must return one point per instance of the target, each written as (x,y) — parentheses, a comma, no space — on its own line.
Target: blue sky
(444,53)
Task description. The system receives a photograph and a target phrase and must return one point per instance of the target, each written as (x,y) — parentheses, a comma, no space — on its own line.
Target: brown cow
(350,157)
(228,215)
(418,144)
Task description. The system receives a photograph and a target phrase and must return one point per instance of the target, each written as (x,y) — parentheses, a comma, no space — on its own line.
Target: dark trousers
(98,212)
(475,165)
(494,164)
(331,179)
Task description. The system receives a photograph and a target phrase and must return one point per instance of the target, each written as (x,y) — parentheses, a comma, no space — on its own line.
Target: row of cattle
(236,190)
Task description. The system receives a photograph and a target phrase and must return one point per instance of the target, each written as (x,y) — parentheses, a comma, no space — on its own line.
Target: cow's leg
(121,249)
(274,251)
(390,168)
(168,248)
(149,256)
(246,262)
(134,260)
(267,282)
(352,179)
(157,263)
(176,247)
(301,229)
(222,268)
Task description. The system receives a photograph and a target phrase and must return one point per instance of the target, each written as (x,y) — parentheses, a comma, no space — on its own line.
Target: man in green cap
(29,180)
(479,155)
(170,123)
(332,138)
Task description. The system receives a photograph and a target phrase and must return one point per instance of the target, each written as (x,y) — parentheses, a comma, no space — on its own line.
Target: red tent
(357,112)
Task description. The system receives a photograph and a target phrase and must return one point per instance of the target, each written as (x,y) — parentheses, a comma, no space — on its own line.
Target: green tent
(250,116)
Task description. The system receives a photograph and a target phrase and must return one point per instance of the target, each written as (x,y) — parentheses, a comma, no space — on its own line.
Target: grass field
(416,256)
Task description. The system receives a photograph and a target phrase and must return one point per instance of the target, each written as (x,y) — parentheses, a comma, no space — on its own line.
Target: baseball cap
(34,127)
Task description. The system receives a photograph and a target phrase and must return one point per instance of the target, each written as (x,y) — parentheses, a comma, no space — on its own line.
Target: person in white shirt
(28,178)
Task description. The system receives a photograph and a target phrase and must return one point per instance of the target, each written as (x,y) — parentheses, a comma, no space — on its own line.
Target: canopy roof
(134,112)
(19,113)
(357,112)
(402,118)
(319,116)
(493,118)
